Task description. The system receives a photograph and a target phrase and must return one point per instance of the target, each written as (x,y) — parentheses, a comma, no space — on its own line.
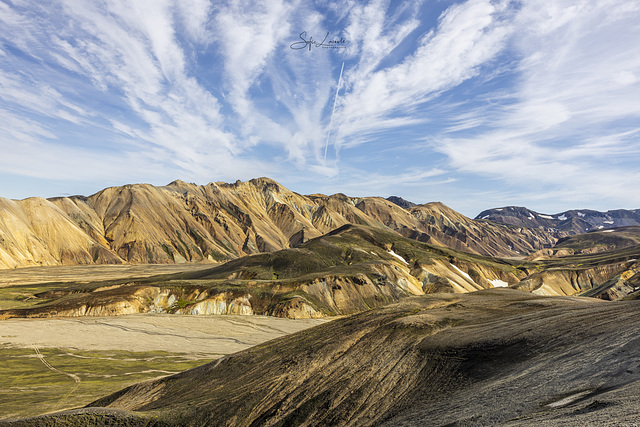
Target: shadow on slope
(485,358)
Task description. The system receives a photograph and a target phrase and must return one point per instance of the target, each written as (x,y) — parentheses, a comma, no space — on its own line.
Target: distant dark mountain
(565,223)
(404,204)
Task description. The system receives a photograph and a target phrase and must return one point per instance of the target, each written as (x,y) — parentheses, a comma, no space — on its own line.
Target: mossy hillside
(270,278)
(23,296)
(581,261)
(616,238)
(338,252)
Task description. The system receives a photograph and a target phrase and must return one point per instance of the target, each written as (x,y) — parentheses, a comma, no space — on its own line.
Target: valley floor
(55,364)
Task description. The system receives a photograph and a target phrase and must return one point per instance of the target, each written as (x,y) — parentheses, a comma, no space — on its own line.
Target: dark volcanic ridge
(572,222)
(404,204)
(494,357)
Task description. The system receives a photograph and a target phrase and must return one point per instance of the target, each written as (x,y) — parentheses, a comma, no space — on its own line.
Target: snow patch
(531,217)
(497,283)
(600,227)
(545,216)
(499,210)
(581,214)
(485,217)
(608,222)
(607,231)
(398,256)
(562,217)
(462,272)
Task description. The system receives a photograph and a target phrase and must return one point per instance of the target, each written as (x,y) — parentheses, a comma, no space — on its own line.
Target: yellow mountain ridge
(184,222)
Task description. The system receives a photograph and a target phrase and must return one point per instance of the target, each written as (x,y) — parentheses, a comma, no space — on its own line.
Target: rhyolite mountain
(565,223)
(219,221)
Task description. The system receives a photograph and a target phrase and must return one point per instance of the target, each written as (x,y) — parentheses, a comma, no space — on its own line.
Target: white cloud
(537,96)
(468,35)
(572,116)
(249,32)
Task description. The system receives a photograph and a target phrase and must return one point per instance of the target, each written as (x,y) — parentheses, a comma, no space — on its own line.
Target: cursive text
(336,43)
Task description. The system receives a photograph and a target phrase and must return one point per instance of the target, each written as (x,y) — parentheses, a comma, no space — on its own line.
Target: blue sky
(475,103)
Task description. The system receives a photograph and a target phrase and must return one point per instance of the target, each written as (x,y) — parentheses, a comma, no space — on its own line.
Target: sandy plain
(201,336)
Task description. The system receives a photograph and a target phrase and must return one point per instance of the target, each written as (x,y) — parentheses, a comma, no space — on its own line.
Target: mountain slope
(189,223)
(404,204)
(489,358)
(36,231)
(599,241)
(349,270)
(346,271)
(442,225)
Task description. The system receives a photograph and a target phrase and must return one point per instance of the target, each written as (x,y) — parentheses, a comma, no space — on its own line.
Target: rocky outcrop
(619,287)
(405,204)
(134,298)
(573,280)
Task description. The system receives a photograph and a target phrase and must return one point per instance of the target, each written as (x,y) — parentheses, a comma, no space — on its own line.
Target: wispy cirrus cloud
(529,97)
(467,36)
(568,126)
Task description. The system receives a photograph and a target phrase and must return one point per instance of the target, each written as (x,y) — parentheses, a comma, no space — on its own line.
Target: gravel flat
(211,336)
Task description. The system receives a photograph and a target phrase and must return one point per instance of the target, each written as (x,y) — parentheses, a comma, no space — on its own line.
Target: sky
(476,104)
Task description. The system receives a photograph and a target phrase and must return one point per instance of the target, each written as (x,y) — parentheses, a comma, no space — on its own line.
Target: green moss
(149,253)
(182,247)
(167,248)
(30,388)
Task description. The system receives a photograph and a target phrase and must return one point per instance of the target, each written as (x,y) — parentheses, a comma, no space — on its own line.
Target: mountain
(494,357)
(404,204)
(600,240)
(184,222)
(565,223)
(351,269)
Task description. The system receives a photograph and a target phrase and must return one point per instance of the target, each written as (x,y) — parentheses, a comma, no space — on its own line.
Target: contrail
(335,101)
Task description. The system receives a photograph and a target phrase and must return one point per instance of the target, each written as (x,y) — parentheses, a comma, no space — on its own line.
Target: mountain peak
(404,204)
(574,221)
